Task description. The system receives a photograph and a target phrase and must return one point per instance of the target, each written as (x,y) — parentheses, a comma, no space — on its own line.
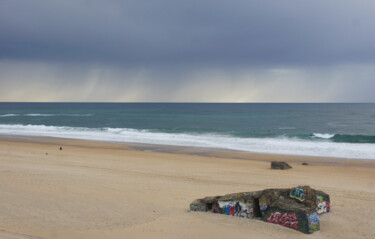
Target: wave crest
(275,145)
(323,136)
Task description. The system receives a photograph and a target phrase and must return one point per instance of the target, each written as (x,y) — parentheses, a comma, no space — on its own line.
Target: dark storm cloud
(208,32)
(187,51)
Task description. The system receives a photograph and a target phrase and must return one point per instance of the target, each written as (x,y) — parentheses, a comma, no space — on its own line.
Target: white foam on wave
(280,145)
(8,115)
(323,136)
(49,115)
(36,115)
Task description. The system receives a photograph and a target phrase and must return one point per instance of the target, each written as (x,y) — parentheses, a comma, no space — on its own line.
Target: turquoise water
(334,130)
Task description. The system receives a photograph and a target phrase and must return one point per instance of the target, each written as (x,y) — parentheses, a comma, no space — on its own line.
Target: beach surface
(105,190)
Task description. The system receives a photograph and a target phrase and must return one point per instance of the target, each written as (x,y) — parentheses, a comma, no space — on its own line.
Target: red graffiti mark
(287,220)
(328,205)
(232,210)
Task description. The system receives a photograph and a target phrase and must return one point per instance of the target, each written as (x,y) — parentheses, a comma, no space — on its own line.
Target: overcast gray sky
(189,51)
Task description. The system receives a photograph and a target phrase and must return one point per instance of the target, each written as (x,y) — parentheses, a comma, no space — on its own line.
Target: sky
(187,51)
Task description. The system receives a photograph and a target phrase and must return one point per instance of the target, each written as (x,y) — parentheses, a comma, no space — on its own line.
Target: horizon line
(179,102)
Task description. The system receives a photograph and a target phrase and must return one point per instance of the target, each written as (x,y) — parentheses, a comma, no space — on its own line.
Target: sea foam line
(323,136)
(281,145)
(42,115)
(8,115)
(49,115)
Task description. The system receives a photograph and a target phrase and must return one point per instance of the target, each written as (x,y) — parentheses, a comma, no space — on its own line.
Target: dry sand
(103,190)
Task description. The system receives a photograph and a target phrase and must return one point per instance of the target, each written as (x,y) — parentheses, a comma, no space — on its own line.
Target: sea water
(329,130)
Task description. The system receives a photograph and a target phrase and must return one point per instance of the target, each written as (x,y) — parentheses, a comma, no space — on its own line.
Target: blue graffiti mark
(298,193)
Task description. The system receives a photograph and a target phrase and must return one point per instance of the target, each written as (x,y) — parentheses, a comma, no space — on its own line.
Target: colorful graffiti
(238,209)
(297,193)
(323,206)
(273,206)
(296,219)
(314,223)
(286,219)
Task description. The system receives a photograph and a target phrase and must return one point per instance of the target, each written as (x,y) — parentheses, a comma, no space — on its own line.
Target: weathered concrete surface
(280,165)
(296,208)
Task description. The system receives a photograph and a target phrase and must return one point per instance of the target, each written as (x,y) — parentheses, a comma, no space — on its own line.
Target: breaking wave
(323,136)
(346,138)
(341,146)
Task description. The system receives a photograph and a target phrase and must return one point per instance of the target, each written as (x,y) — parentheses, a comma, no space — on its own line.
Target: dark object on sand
(60,148)
(280,165)
(46,153)
(298,208)
(304,163)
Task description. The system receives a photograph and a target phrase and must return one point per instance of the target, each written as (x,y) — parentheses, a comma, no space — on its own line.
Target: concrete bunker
(297,208)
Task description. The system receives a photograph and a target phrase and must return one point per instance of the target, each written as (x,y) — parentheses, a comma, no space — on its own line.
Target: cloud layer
(232,51)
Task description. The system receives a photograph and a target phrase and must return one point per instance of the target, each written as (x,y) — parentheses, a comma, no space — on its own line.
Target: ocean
(328,130)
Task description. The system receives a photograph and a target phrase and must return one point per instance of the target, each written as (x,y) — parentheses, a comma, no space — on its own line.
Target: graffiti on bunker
(323,205)
(293,219)
(286,219)
(314,223)
(297,193)
(234,208)
(295,208)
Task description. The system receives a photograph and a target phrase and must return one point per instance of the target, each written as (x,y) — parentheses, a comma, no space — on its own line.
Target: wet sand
(106,190)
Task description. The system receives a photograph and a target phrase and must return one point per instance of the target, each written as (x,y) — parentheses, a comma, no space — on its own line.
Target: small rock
(280,165)
(60,148)
(304,163)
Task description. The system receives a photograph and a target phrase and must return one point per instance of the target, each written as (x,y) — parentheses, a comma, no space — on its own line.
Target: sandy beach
(104,190)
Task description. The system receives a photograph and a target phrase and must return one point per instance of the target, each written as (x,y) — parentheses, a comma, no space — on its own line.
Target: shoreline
(309,145)
(95,190)
(191,150)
